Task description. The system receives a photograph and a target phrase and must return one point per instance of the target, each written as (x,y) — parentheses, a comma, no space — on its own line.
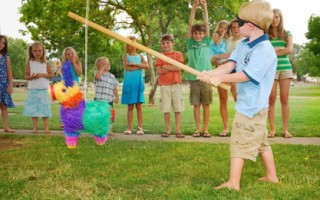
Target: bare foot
(34,130)
(269,179)
(47,131)
(9,130)
(228,185)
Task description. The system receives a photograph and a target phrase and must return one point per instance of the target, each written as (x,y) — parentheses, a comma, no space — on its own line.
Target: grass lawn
(41,167)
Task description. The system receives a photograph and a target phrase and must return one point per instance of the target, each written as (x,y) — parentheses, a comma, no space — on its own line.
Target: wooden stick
(139,46)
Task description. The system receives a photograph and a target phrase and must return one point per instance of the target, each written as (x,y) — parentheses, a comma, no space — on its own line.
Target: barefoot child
(38,72)
(255,63)
(6,83)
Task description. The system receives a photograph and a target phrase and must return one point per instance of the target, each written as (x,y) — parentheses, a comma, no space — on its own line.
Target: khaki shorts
(171,98)
(200,93)
(249,136)
(280,75)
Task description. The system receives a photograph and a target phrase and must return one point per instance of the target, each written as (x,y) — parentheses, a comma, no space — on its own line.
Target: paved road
(172,138)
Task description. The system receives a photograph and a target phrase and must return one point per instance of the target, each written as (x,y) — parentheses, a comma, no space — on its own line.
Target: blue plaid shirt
(105,87)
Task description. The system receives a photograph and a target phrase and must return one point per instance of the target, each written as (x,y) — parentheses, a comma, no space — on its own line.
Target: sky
(296,14)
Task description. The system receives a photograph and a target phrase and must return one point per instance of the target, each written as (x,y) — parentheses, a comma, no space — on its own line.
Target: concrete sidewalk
(172,138)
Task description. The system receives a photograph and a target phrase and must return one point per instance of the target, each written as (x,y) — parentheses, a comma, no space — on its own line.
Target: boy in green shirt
(198,46)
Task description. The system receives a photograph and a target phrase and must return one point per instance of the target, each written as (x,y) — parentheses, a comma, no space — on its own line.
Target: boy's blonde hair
(30,55)
(98,60)
(64,54)
(257,11)
(223,22)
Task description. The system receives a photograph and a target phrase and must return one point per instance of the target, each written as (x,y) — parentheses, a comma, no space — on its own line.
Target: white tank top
(40,83)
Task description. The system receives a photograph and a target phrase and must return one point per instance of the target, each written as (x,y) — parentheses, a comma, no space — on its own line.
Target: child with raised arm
(254,62)
(57,68)
(6,83)
(70,54)
(38,72)
(218,44)
(133,85)
(198,46)
(231,44)
(170,85)
(105,84)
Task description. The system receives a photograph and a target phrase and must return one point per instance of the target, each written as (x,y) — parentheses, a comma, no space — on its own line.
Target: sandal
(140,131)
(197,134)
(271,135)
(179,135)
(223,134)
(287,135)
(127,132)
(165,135)
(206,135)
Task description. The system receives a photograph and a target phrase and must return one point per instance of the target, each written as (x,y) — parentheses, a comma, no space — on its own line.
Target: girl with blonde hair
(38,72)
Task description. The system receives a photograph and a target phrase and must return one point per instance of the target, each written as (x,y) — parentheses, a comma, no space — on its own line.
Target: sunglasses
(241,22)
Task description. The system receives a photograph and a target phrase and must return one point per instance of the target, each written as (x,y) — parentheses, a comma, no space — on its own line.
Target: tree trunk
(153,81)
(152,96)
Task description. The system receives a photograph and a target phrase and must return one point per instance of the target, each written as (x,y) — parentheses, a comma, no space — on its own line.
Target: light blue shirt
(258,60)
(221,48)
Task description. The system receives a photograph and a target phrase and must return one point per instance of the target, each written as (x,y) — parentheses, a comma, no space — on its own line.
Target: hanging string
(86,51)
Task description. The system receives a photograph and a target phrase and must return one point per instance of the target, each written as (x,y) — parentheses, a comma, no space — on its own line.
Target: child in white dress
(38,72)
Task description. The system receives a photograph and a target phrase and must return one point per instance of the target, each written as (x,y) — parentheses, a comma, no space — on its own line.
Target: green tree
(307,61)
(47,22)
(18,56)
(313,35)
(293,57)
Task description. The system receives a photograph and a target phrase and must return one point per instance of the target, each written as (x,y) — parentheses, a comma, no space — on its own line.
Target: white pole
(86,51)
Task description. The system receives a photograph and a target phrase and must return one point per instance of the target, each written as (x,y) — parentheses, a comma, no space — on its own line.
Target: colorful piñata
(92,117)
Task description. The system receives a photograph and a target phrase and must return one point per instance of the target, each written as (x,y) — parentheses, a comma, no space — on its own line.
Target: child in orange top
(170,85)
